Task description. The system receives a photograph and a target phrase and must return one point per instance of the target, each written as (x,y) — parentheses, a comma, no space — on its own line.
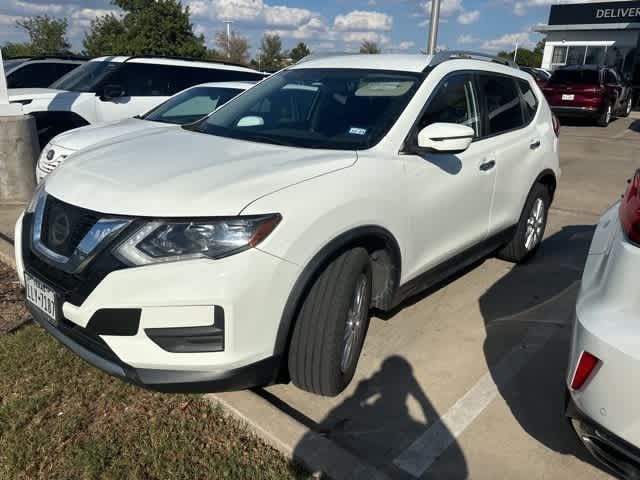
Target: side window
(529,99)
(142,80)
(455,101)
(35,75)
(502,101)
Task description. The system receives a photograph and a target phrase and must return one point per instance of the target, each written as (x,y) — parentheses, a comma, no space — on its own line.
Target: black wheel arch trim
(322,258)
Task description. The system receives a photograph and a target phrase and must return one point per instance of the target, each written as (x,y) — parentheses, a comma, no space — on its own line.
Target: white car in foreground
(604,365)
(249,248)
(185,107)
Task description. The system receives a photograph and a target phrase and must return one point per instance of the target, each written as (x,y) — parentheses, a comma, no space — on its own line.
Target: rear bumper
(96,352)
(617,454)
(563,111)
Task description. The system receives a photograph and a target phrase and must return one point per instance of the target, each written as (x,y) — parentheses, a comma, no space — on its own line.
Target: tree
(539,48)
(13,50)
(299,52)
(369,47)
(148,27)
(524,57)
(236,49)
(271,56)
(106,36)
(47,35)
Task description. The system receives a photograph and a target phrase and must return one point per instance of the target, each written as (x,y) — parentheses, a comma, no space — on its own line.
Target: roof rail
(445,55)
(316,56)
(50,57)
(189,59)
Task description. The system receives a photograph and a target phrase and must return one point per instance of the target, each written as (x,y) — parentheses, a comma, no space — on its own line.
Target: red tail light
(586,364)
(556,125)
(630,209)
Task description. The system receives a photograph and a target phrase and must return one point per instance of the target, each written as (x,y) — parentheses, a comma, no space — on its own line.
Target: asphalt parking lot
(467,381)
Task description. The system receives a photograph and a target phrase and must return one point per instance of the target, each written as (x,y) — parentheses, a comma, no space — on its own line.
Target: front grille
(64,226)
(73,288)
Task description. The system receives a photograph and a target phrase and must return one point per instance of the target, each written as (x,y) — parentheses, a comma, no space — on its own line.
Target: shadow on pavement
(531,308)
(375,422)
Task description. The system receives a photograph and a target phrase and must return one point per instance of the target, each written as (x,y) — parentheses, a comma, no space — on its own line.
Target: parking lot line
(426,449)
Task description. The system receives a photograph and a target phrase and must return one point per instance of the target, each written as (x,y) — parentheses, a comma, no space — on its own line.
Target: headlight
(169,241)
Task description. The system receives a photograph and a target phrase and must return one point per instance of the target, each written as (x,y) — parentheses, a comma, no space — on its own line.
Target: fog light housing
(191,339)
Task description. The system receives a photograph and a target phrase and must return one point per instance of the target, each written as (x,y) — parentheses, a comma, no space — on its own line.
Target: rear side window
(38,75)
(455,101)
(502,103)
(148,80)
(529,100)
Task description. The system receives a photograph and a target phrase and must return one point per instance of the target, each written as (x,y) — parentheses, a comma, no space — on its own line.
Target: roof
(586,26)
(49,57)
(382,61)
(234,85)
(176,61)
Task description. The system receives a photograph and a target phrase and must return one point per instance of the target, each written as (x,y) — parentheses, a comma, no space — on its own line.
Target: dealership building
(594,33)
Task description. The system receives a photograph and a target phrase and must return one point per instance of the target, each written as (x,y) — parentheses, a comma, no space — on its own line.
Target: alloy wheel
(356,321)
(535,225)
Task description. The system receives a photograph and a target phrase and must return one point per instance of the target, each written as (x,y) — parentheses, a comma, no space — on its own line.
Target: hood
(89,135)
(31,93)
(179,173)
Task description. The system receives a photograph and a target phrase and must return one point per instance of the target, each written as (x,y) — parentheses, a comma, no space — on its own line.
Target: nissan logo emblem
(59,229)
(50,154)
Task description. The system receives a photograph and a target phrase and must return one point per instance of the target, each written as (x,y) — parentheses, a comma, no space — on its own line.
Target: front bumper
(177,302)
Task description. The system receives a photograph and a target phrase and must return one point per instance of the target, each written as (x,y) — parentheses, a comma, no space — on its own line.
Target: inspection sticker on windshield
(357,131)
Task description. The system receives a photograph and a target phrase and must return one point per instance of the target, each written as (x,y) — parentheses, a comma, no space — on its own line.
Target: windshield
(191,105)
(11,64)
(317,108)
(575,76)
(86,78)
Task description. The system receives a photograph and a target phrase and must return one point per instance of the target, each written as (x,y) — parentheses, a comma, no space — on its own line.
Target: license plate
(42,297)
(566,96)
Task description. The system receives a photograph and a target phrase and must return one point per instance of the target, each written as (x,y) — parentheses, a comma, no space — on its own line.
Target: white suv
(250,247)
(107,89)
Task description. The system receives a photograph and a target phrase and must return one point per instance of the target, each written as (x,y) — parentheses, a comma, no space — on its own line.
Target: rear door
(511,109)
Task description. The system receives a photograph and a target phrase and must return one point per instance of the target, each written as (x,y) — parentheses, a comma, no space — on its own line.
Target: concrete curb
(291,438)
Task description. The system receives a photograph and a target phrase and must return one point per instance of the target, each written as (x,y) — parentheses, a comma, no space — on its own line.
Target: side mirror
(111,92)
(445,137)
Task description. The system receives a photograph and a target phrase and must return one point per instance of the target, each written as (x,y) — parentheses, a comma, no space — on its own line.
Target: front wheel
(331,326)
(627,109)
(530,228)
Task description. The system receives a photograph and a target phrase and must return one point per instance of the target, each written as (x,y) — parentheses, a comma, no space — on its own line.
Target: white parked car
(249,248)
(183,108)
(114,88)
(605,353)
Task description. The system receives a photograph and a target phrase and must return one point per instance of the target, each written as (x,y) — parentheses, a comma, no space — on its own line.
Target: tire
(519,249)
(317,359)
(605,117)
(628,107)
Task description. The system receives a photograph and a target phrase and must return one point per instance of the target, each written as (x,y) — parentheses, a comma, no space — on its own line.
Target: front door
(449,195)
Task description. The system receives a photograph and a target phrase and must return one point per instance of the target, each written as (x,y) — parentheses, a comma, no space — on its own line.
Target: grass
(62,419)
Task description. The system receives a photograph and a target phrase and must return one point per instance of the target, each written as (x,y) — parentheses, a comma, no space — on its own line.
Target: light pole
(228,23)
(515,53)
(433,27)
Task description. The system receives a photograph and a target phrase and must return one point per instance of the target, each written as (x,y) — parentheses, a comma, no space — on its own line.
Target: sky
(325,25)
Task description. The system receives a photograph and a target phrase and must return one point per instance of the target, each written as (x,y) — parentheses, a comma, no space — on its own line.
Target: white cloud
(359,20)
(286,16)
(467,39)
(371,3)
(508,41)
(406,45)
(359,37)
(250,11)
(447,7)
(469,17)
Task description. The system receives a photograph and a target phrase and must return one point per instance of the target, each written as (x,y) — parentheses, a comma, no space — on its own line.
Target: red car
(589,91)
(541,76)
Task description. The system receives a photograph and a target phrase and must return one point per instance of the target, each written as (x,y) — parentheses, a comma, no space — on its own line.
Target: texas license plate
(566,96)
(41,296)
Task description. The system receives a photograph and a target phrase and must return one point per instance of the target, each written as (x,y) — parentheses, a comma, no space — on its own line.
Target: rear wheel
(331,326)
(605,117)
(530,228)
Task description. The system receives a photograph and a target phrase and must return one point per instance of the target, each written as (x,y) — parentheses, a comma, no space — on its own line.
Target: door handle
(488,165)
(534,145)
